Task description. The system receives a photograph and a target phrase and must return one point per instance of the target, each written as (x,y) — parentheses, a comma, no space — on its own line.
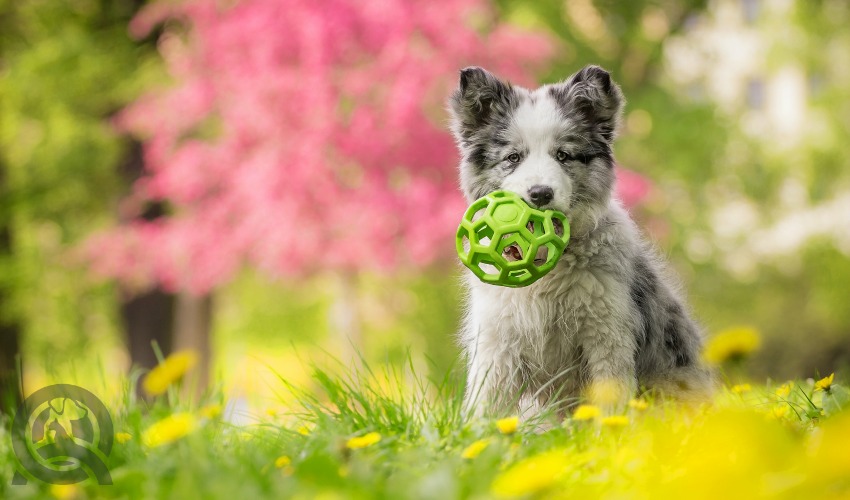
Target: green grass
(743,445)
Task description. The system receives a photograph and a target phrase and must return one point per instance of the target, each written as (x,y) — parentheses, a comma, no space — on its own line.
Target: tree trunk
(10,382)
(148,316)
(10,328)
(193,324)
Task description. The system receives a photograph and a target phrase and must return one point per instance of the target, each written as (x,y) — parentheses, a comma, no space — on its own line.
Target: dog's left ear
(593,96)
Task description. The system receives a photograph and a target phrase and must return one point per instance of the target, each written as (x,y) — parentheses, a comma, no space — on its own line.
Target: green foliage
(67,67)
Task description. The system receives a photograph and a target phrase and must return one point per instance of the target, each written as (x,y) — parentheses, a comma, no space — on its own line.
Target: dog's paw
(610,395)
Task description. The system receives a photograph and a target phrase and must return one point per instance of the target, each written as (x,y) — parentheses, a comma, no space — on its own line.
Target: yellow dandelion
(64,491)
(779,411)
(211,411)
(586,412)
(284,463)
(784,390)
(475,449)
(531,475)
(169,429)
(170,371)
(123,437)
(825,384)
(507,425)
(741,388)
(615,421)
(356,443)
(828,453)
(638,404)
(303,430)
(732,344)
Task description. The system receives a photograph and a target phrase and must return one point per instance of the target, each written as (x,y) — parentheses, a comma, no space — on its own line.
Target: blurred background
(271,183)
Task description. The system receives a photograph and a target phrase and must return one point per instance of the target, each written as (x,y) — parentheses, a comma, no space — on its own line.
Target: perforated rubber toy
(504,241)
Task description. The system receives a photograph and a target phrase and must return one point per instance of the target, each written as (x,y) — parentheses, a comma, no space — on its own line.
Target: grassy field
(393,434)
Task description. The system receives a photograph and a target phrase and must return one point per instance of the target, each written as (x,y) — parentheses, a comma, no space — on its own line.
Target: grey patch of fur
(610,310)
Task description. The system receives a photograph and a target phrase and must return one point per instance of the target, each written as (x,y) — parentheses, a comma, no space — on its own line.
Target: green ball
(505,242)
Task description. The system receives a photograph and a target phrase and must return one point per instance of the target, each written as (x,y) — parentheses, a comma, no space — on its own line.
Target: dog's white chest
(541,323)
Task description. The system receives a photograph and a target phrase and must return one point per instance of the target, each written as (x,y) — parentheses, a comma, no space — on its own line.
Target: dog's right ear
(479,98)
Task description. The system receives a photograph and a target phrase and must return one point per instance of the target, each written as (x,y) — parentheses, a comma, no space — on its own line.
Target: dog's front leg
(608,346)
(494,372)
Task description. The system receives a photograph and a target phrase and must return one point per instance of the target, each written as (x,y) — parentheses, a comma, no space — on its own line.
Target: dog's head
(552,146)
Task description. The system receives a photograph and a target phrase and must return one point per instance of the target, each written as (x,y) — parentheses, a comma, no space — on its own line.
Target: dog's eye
(513,158)
(562,156)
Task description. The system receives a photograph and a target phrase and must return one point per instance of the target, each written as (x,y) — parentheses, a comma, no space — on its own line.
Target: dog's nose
(540,195)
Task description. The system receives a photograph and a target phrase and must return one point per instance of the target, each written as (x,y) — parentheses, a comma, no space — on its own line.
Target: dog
(609,319)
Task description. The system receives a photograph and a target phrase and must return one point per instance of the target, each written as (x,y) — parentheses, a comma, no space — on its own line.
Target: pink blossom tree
(302,136)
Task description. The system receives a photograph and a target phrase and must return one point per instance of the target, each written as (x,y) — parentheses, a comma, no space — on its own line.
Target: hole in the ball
(489,267)
(519,273)
(559,226)
(512,253)
(535,226)
(541,255)
(483,234)
(465,242)
(477,215)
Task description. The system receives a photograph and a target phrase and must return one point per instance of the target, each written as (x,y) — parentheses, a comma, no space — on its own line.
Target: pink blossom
(631,187)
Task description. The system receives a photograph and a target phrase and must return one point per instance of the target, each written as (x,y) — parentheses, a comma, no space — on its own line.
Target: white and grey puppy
(608,312)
